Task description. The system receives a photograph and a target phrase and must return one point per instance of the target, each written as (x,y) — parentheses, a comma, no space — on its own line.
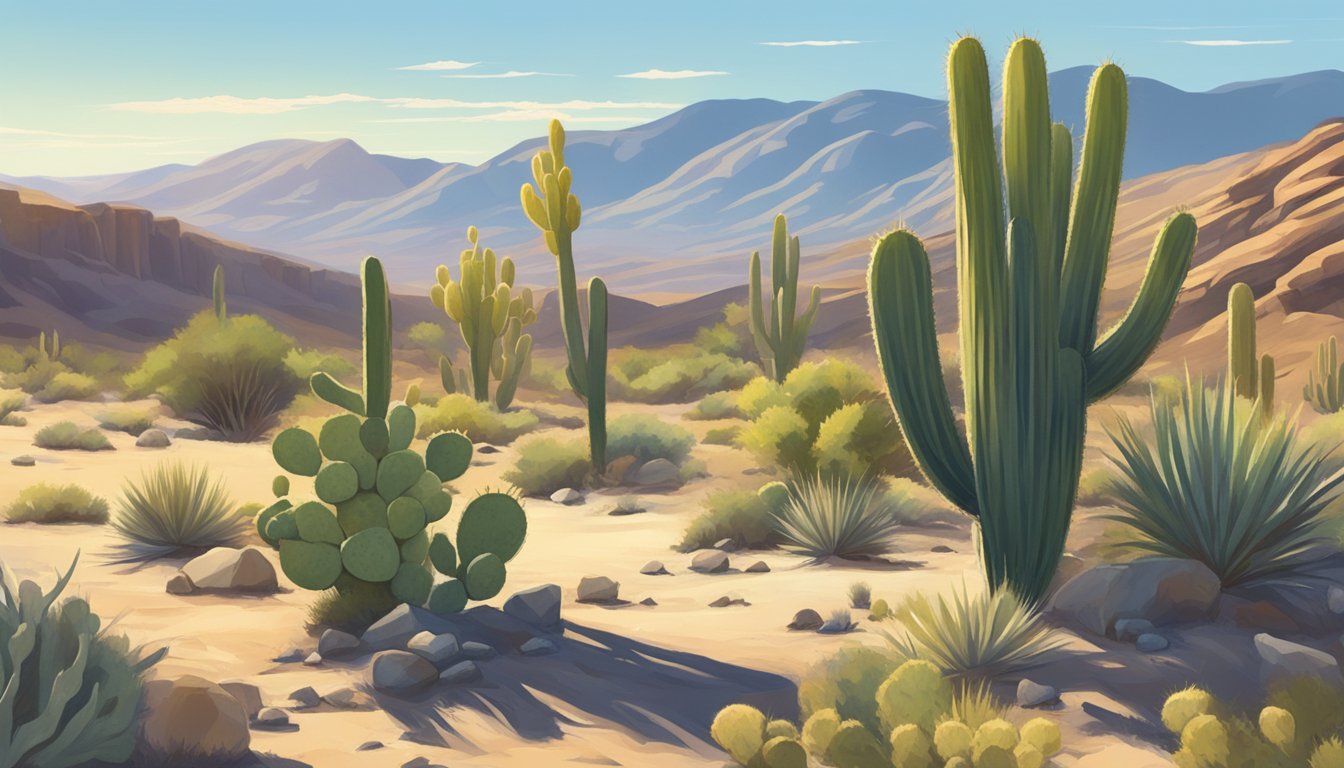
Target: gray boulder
(806,619)
(710,561)
(1151,642)
(1033,694)
(305,697)
(538,606)
(461,672)
(654,568)
(225,569)
(436,649)
(1159,589)
(402,623)
(1283,660)
(334,642)
(23,461)
(191,719)
(567,496)
(760,566)
(538,646)
(401,671)
(656,472)
(598,589)
(153,438)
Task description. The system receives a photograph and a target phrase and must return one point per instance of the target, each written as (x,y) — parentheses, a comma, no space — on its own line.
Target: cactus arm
(514,365)
(377,340)
(336,393)
(217,288)
(446,375)
(900,296)
(1027,152)
(1061,181)
(760,334)
(1120,353)
(1094,204)
(779,273)
(597,373)
(1241,353)
(1264,399)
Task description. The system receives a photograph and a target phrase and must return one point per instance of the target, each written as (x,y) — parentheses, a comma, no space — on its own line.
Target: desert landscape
(999,431)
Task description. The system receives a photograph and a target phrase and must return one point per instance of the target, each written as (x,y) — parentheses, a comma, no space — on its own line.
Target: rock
(348,698)
(1033,694)
(619,467)
(179,584)
(727,600)
(1334,599)
(334,642)
(1129,630)
(400,671)
(726,545)
(656,472)
(567,496)
(313,659)
(710,561)
(461,672)
(941,549)
(420,762)
(1283,660)
(1151,642)
(199,433)
(753,471)
(538,646)
(1070,565)
(289,656)
(402,623)
(1255,614)
(153,438)
(486,448)
(246,693)
(369,746)
(272,717)
(654,568)
(837,625)
(598,589)
(436,649)
(759,566)
(474,650)
(23,461)
(190,717)
(229,569)
(807,619)
(538,606)
(648,601)
(305,697)
(1159,589)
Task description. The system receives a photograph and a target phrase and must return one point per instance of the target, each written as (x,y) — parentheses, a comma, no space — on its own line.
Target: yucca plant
(1212,484)
(174,507)
(834,516)
(973,635)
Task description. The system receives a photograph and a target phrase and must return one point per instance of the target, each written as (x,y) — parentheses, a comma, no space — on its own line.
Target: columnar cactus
(217,289)
(367,534)
(491,320)
(1031,261)
(1250,376)
(781,337)
(52,352)
(556,212)
(1325,382)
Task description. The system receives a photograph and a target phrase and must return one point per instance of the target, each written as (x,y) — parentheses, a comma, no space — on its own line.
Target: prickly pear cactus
(367,532)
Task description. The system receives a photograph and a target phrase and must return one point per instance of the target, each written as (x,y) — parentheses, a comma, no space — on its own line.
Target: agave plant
(837,516)
(1242,496)
(176,506)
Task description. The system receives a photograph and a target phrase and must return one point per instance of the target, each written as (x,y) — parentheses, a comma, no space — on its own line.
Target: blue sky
(113,86)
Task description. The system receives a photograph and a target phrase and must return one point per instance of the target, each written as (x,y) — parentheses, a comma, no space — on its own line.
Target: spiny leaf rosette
(1032,246)
(367,532)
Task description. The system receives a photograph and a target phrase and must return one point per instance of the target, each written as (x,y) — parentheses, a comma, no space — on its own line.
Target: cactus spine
(1250,376)
(491,320)
(556,212)
(780,339)
(1325,383)
(1029,288)
(221,309)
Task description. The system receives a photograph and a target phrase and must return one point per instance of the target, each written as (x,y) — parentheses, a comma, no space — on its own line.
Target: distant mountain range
(675,205)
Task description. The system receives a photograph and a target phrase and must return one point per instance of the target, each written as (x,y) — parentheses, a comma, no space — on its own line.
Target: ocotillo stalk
(221,309)
(1242,360)
(1030,270)
(780,339)
(377,351)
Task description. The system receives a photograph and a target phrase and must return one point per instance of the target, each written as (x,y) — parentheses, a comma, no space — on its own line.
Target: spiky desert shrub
(547,464)
(176,507)
(69,436)
(49,503)
(836,517)
(480,421)
(646,438)
(1242,496)
(129,419)
(860,595)
(72,692)
(746,517)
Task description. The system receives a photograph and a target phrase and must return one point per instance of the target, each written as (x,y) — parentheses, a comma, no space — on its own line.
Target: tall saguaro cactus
(217,288)
(556,212)
(1030,271)
(491,319)
(780,339)
(377,392)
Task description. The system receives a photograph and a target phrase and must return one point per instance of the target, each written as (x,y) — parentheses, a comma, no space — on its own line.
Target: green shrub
(718,405)
(721,339)
(11,360)
(836,516)
(847,682)
(129,419)
(429,338)
(1214,484)
(860,595)
(68,436)
(481,422)
(230,376)
(647,438)
(779,438)
(722,436)
(72,690)
(10,403)
(1299,726)
(743,516)
(919,505)
(546,378)
(675,375)
(547,464)
(175,506)
(46,503)
(1094,487)
(759,395)
(306,362)
(35,376)
(856,438)
(68,385)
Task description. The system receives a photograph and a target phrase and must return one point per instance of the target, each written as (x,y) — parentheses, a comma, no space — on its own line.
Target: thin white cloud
(507,75)
(1229,43)
(810,43)
(522,116)
(677,74)
(447,65)
(236,105)
(573,104)
(38,132)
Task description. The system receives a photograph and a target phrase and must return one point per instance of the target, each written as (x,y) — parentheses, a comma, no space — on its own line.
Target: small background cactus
(781,337)
(1324,390)
(1251,375)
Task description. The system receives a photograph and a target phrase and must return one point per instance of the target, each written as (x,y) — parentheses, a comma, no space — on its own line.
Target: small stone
(305,697)
(23,461)
(656,472)
(369,746)
(941,549)
(153,438)
(398,671)
(1334,599)
(654,568)
(1130,630)
(313,660)
(474,650)
(726,545)
(752,471)
(598,589)
(710,561)
(1033,694)
(1151,642)
(727,600)
(461,672)
(394,630)
(538,646)
(436,649)
(334,642)
(538,606)
(342,698)
(806,619)
(180,584)
(486,448)
(567,496)
(759,566)
(289,656)
(272,717)
(648,601)
(246,693)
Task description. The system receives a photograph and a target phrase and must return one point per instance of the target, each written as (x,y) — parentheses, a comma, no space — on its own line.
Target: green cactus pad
(412,584)
(340,442)
(448,597)
(371,555)
(775,495)
(438,506)
(416,548)
(280,486)
(266,515)
(336,482)
(492,522)
(317,524)
(295,450)
(428,490)
(484,576)
(448,455)
(310,565)
(400,428)
(282,526)
(365,510)
(397,472)
(405,517)
(373,436)
(443,555)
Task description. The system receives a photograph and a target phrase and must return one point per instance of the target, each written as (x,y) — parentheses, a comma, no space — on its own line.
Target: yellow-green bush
(482,422)
(48,503)
(746,517)
(68,436)
(674,374)
(129,419)
(1296,729)
(547,464)
(646,438)
(719,405)
(10,404)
